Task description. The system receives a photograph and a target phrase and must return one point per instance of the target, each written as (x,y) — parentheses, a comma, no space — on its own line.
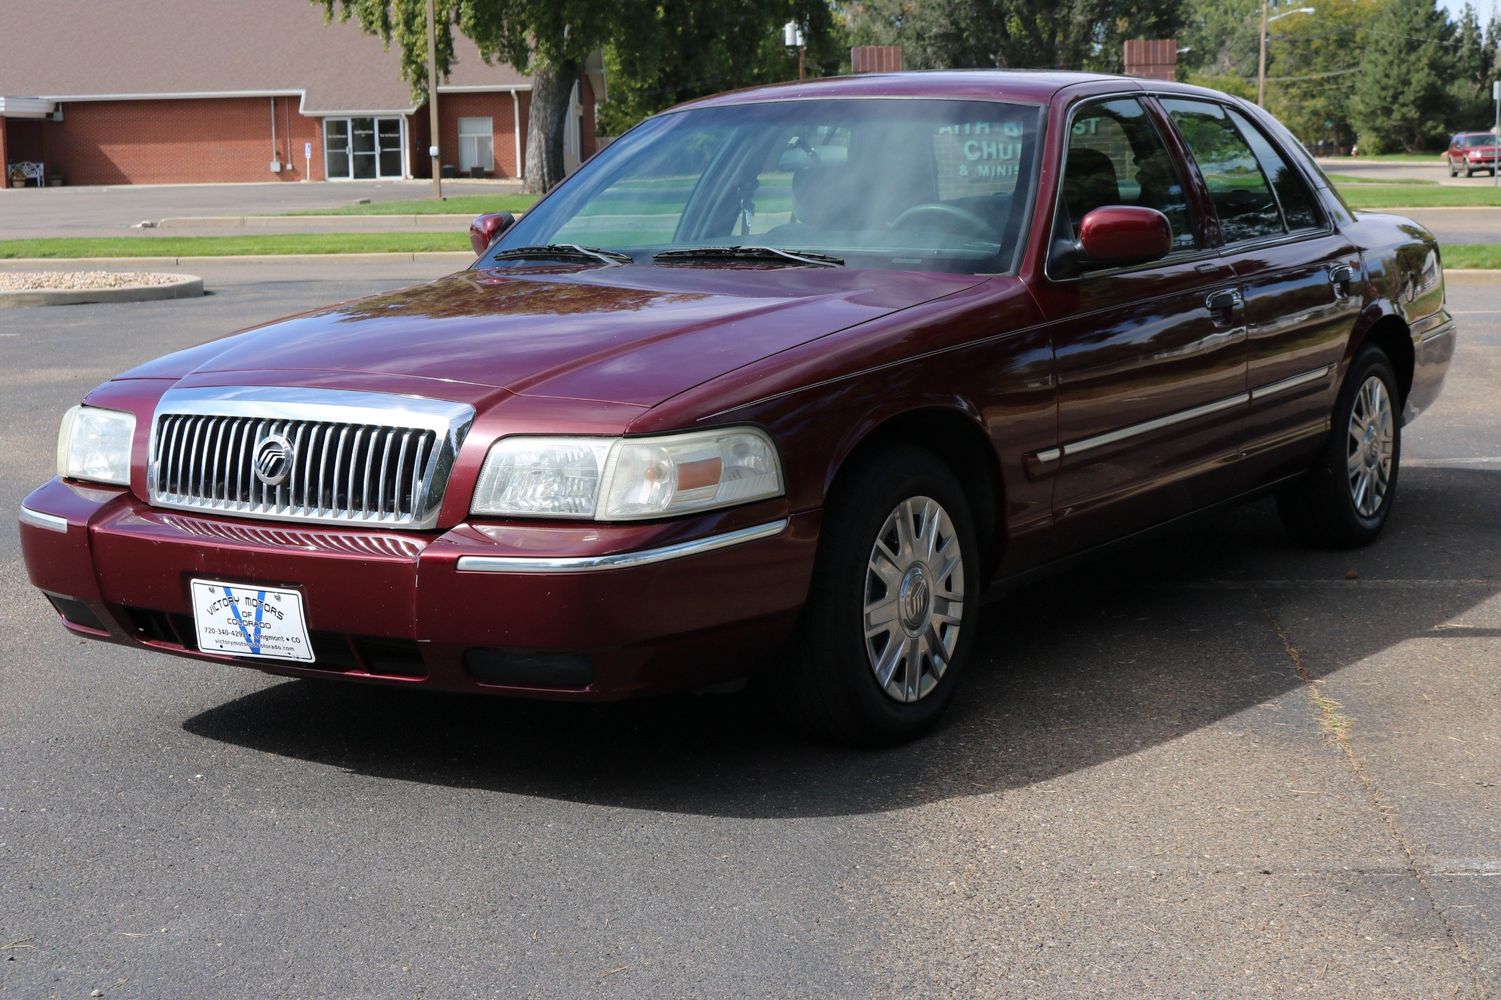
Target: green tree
(1401,96)
(1061,34)
(1474,66)
(1313,64)
(548,39)
(1220,40)
(676,50)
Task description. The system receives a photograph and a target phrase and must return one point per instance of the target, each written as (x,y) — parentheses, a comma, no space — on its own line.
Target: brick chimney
(1152,58)
(876,58)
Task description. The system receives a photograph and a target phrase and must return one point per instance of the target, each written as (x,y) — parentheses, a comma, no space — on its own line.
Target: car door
(1301,280)
(1150,359)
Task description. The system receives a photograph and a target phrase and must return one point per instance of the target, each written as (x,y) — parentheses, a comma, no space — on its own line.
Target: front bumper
(559,611)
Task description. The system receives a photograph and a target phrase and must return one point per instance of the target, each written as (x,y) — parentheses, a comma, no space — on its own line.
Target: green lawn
(1419,196)
(461,204)
(233,246)
(1342,179)
(1457,255)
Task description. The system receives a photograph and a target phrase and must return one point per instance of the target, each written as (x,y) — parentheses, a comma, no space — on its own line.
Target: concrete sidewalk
(33,213)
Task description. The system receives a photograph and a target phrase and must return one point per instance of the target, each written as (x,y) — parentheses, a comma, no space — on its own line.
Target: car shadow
(1125,653)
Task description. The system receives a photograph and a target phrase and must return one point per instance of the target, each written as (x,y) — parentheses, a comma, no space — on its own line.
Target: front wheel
(893,606)
(1344,501)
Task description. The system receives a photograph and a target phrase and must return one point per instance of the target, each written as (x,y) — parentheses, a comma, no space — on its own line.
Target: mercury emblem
(273,459)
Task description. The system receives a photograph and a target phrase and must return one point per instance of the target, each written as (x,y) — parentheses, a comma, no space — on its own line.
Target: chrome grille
(334,456)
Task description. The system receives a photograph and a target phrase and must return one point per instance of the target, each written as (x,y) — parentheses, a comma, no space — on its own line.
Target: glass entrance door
(362,148)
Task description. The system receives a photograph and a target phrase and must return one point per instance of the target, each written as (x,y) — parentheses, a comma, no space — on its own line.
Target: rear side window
(1116,157)
(1292,194)
(1241,194)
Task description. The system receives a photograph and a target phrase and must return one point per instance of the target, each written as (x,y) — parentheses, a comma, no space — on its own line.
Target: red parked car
(781,383)
(1472,151)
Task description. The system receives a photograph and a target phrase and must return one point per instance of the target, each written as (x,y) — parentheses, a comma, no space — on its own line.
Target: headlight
(625,479)
(95,444)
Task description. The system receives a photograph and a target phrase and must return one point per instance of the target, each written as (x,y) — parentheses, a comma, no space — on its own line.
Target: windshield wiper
(566,252)
(751,253)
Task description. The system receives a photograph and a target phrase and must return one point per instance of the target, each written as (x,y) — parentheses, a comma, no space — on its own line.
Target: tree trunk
(551,87)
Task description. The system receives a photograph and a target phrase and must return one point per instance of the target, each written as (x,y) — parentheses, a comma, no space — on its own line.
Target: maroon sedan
(780,384)
(1472,151)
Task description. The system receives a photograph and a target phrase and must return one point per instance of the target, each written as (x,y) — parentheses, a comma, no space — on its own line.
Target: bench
(20,173)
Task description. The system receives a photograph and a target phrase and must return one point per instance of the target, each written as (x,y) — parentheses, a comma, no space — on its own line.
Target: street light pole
(432,98)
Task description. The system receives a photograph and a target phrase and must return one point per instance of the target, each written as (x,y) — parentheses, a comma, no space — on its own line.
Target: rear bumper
(584,612)
(1433,348)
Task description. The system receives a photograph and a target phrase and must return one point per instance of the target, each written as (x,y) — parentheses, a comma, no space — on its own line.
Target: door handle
(1223,305)
(1341,276)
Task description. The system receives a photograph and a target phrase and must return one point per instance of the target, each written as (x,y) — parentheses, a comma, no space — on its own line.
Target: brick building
(192,91)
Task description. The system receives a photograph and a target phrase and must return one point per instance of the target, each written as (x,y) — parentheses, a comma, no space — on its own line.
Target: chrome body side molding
(1183,416)
(618,560)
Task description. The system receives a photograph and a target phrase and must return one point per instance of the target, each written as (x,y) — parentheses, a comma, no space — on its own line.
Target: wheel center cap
(915,599)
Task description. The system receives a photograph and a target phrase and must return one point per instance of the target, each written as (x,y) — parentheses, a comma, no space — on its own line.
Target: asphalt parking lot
(1216,765)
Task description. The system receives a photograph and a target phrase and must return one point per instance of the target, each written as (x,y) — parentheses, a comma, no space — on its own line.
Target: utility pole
(432,97)
(1496,153)
(1260,61)
(792,37)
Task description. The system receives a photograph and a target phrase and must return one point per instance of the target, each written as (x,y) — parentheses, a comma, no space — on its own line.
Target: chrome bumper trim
(51,522)
(618,560)
(1445,329)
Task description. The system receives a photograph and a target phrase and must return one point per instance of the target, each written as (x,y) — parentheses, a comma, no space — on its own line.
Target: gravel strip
(30,281)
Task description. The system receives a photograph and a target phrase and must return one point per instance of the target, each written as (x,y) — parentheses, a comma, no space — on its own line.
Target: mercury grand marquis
(777,385)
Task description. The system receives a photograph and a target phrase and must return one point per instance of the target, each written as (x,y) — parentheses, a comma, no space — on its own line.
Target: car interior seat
(1089,182)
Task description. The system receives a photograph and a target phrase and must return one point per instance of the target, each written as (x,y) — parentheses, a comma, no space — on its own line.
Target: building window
(476,144)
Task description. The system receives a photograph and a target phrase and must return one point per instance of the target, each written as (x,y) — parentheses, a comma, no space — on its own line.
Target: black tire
(828,685)
(1321,508)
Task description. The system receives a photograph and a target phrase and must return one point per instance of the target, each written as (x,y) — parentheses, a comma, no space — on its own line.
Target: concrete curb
(443,221)
(465,257)
(187,286)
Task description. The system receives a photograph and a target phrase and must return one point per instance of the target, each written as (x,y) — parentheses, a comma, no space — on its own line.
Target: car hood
(634,334)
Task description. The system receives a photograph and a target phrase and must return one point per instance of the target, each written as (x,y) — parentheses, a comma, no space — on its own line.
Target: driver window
(1116,157)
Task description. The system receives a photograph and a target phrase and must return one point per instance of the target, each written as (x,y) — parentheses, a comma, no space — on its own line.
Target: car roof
(1029,86)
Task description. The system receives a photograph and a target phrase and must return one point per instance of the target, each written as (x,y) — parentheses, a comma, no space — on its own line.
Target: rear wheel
(892,611)
(1346,498)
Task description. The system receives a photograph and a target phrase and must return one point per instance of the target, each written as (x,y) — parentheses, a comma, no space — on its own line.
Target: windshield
(1480,140)
(902,184)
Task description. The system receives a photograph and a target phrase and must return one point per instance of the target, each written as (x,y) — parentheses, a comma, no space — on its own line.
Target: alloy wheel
(914,599)
(1368,451)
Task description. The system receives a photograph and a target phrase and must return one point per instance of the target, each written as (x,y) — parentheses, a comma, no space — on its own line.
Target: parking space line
(1358,584)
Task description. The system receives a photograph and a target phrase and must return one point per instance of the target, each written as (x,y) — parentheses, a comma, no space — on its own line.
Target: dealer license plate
(250,621)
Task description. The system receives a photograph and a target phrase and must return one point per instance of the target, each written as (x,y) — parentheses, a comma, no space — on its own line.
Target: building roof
(87,49)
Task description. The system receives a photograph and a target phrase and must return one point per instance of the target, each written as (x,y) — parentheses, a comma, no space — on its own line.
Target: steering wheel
(943,212)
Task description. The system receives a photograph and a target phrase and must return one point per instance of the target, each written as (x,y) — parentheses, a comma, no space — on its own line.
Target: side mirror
(1124,234)
(486,229)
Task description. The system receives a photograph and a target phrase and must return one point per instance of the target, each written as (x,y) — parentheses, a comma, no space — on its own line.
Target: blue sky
(1482,7)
